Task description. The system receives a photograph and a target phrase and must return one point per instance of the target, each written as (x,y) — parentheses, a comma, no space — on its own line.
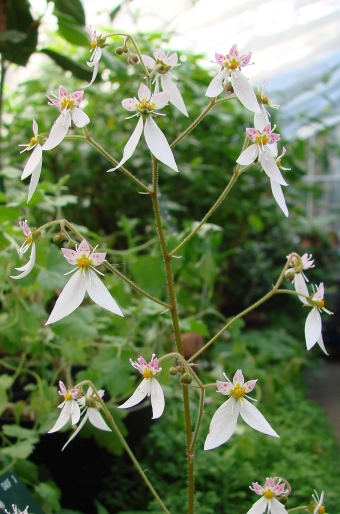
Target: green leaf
(115,11)
(73,9)
(5,381)
(20,433)
(80,71)
(3,400)
(19,40)
(50,495)
(70,30)
(20,450)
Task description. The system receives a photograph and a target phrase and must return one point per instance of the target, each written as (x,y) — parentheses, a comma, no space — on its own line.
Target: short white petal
(301,287)
(33,162)
(175,96)
(60,423)
(58,131)
(223,424)
(157,399)
(27,268)
(162,99)
(259,507)
(248,155)
(70,298)
(244,91)
(157,143)
(216,85)
(322,345)
(96,420)
(143,390)
(148,61)
(98,292)
(278,195)
(130,146)
(79,117)
(313,327)
(253,417)
(270,167)
(276,507)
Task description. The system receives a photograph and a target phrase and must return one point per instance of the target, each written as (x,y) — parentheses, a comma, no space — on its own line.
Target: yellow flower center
(233,63)
(93,44)
(68,397)
(84,262)
(238,391)
(144,107)
(67,103)
(262,139)
(28,240)
(269,494)
(147,373)
(320,303)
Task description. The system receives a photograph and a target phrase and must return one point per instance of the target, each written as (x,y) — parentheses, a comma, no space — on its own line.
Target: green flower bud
(186,378)
(173,371)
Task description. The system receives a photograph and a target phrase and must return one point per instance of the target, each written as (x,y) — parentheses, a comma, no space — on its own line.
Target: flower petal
(148,61)
(253,417)
(98,292)
(34,180)
(70,298)
(301,287)
(175,96)
(144,92)
(130,146)
(259,507)
(27,268)
(33,162)
(157,143)
(313,327)
(270,167)
(278,195)
(244,91)
(276,507)
(58,131)
(223,424)
(80,426)
(143,390)
(157,399)
(216,85)
(60,423)
(248,155)
(79,117)
(162,99)
(95,65)
(322,345)
(96,419)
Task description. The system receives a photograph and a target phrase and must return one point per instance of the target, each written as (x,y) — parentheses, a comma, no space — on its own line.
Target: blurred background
(232,261)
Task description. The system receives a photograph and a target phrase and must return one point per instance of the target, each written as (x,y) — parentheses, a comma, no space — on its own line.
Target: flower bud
(71,245)
(119,50)
(186,378)
(173,371)
(59,238)
(36,234)
(289,275)
(133,59)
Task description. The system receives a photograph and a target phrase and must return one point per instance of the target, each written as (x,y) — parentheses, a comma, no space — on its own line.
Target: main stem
(177,332)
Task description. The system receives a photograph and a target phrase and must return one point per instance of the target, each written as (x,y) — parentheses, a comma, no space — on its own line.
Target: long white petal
(313,327)
(259,507)
(276,507)
(80,426)
(130,146)
(322,345)
(157,143)
(223,424)
(244,91)
(70,298)
(216,85)
(60,423)
(95,66)
(175,96)
(27,268)
(96,419)
(58,131)
(278,195)
(33,162)
(253,417)
(143,390)
(34,180)
(270,167)
(98,292)
(261,119)
(248,155)
(157,399)
(301,287)
(79,117)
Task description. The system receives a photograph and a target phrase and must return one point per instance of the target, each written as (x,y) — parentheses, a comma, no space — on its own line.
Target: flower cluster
(77,403)
(269,492)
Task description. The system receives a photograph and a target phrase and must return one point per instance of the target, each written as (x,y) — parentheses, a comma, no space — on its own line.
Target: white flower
(317,503)
(154,137)
(296,273)
(90,406)
(27,268)
(70,112)
(148,387)
(84,279)
(264,149)
(97,43)
(231,68)
(313,326)
(224,421)
(34,163)
(263,116)
(16,510)
(70,408)
(162,67)
(268,502)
